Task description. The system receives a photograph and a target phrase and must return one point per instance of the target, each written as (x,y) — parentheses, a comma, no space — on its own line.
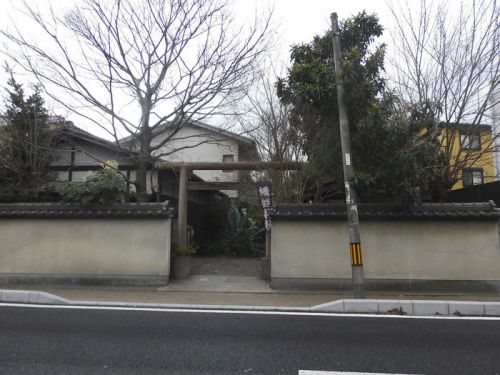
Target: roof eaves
(76,132)
(224,132)
(213,129)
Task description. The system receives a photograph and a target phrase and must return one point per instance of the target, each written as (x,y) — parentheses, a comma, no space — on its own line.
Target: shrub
(242,236)
(103,187)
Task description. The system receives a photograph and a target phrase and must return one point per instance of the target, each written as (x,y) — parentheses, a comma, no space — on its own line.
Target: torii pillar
(182,210)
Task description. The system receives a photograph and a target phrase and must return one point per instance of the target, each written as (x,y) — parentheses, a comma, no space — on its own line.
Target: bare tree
(132,67)
(266,121)
(449,61)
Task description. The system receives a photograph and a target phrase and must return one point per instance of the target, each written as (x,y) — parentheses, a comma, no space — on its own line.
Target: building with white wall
(199,142)
(80,152)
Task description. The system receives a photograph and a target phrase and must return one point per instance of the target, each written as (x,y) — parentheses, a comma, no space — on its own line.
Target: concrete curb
(367,306)
(411,307)
(179,306)
(44,298)
(31,296)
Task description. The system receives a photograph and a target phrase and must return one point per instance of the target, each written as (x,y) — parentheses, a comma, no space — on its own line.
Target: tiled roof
(465,126)
(72,210)
(69,131)
(374,211)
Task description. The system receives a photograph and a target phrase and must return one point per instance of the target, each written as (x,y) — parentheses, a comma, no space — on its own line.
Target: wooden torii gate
(185,168)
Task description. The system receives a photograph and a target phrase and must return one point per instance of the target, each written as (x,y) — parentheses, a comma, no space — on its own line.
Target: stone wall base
(88,280)
(390,285)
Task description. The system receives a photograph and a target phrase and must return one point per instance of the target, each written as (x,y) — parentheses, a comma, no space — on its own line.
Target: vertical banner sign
(264,191)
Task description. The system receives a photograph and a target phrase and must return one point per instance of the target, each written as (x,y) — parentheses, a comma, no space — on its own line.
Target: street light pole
(350,194)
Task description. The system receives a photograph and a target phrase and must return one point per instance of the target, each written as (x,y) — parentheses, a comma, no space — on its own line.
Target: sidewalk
(230,290)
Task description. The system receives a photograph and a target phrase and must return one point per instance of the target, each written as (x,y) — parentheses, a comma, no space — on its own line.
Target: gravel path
(230,266)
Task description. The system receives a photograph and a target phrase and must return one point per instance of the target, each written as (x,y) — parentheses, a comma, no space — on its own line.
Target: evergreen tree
(390,160)
(26,142)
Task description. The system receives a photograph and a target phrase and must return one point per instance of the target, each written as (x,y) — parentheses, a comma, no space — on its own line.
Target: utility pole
(358,277)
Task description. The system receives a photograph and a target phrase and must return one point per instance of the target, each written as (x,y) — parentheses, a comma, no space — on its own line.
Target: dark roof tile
(380,211)
(73,210)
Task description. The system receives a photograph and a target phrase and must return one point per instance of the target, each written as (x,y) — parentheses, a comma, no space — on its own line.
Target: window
(227,159)
(473,176)
(471,140)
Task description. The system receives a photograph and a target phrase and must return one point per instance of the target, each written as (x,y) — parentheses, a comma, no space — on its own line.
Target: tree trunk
(143,159)
(141,180)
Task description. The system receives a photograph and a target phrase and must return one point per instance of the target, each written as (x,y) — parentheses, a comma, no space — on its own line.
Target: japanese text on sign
(264,191)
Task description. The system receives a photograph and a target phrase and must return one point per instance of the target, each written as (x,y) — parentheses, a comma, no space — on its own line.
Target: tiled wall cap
(69,210)
(458,211)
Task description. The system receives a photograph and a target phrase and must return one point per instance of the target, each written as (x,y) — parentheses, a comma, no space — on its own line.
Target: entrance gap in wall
(234,263)
(228,233)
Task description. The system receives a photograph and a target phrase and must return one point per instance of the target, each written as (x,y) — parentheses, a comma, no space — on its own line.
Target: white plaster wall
(192,144)
(427,250)
(309,250)
(124,247)
(210,150)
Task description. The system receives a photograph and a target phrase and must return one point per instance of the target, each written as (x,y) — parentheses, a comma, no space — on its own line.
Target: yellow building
(470,149)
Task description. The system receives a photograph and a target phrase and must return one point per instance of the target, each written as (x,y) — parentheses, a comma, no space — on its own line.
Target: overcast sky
(296,21)
(299,20)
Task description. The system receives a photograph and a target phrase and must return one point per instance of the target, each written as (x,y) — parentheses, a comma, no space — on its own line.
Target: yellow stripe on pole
(355,252)
(359,254)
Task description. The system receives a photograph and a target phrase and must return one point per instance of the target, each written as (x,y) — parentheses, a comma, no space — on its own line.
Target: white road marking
(308,372)
(249,312)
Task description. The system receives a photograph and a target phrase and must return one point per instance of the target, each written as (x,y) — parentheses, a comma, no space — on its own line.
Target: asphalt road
(76,341)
